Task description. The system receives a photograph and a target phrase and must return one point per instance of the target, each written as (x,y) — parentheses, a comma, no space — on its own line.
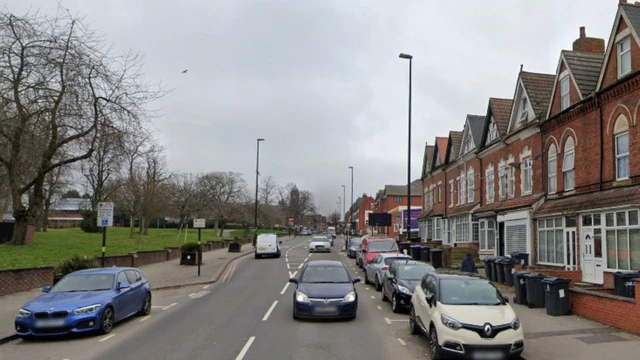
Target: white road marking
(145,318)
(387,320)
(402,320)
(373,297)
(266,316)
(284,289)
(206,286)
(157,307)
(246,347)
(199,294)
(367,289)
(106,338)
(379,307)
(402,342)
(288,266)
(170,306)
(292,274)
(300,267)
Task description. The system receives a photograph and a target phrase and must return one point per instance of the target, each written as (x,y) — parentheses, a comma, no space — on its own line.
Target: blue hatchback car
(90,300)
(325,290)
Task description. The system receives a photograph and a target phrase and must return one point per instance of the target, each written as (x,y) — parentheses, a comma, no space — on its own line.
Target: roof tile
(585,68)
(539,88)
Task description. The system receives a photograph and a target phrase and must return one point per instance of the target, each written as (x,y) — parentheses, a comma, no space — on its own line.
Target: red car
(377,245)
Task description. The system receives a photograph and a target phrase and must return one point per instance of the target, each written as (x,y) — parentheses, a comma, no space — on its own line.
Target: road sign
(105,214)
(199,223)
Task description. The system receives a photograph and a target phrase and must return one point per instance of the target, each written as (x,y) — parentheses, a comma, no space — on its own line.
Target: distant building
(66,213)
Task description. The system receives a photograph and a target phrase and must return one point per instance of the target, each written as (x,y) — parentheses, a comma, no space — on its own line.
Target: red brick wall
(117,260)
(574,96)
(174,252)
(13,281)
(611,72)
(142,258)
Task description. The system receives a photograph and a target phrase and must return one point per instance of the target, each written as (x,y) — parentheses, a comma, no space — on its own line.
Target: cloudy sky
(321,80)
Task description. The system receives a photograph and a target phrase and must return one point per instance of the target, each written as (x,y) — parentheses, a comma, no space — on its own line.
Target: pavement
(162,276)
(246,315)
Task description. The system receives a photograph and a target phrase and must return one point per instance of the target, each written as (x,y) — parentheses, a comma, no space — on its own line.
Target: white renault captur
(465,317)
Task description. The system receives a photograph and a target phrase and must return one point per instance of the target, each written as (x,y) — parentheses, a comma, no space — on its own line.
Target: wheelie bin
(415,252)
(520,287)
(623,283)
(488,267)
(500,270)
(522,257)
(535,290)
(557,296)
(425,254)
(436,258)
(507,265)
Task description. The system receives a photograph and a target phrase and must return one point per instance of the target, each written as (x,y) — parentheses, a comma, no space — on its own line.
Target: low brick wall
(607,309)
(173,253)
(117,260)
(141,258)
(17,280)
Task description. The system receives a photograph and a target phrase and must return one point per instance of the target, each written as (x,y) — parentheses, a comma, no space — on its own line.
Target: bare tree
(104,165)
(185,199)
(334,218)
(58,88)
(268,190)
(222,191)
(55,183)
(155,175)
(296,203)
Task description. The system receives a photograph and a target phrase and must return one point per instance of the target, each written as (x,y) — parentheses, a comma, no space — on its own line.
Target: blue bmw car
(90,300)
(325,290)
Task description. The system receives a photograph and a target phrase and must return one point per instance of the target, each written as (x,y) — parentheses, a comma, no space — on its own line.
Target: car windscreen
(325,274)
(389,260)
(414,272)
(469,292)
(382,246)
(320,238)
(86,282)
(356,244)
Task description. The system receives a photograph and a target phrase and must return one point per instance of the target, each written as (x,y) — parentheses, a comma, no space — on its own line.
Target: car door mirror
(506,299)
(430,299)
(390,277)
(364,251)
(293,280)
(46,289)
(124,285)
(356,280)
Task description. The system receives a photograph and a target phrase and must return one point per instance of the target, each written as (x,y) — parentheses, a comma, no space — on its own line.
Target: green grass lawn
(240,233)
(56,245)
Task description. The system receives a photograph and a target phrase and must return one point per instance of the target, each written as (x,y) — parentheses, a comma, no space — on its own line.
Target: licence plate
(488,355)
(49,323)
(261,249)
(326,309)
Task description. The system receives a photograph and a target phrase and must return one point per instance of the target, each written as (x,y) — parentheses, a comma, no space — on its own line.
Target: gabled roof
(427,159)
(537,88)
(453,145)
(401,190)
(473,127)
(379,194)
(500,109)
(441,149)
(631,14)
(584,70)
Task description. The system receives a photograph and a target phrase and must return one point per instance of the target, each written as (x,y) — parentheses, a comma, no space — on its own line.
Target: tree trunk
(221,229)
(132,228)
(20,227)
(145,227)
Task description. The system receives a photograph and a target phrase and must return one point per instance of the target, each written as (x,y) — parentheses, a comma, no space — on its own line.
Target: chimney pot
(623,2)
(583,32)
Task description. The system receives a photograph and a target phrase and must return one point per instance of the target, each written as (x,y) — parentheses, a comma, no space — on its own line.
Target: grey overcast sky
(321,80)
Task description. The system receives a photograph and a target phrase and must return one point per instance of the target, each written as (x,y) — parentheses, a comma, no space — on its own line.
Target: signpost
(105,220)
(199,224)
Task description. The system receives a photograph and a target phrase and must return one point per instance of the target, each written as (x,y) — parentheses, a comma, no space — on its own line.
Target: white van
(267,244)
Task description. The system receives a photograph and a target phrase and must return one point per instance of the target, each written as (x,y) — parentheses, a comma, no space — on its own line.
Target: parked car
(320,244)
(267,245)
(400,280)
(325,290)
(464,315)
(377,245)
(91,300)
(378,266)
(354,247)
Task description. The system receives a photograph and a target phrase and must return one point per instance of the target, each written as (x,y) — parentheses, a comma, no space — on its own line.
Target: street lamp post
(344,204)
(255,213)
(338,209)
(410,58)
(351,205)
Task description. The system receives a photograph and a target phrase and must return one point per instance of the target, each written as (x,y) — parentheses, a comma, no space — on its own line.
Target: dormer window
(493,130)
(624,57)
(564,93)
(468,144)
(524,113)
(438,162)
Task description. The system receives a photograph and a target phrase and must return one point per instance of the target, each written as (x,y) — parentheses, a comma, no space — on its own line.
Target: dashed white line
(288,266)
(284,289)
(266,316)
(206,286)
(145,318)
(246,347)
(367,289)
(387,320)
(300,267)
(157,307)
(402,342)
(170,306)
(379,307)
(373,297)
(106,338)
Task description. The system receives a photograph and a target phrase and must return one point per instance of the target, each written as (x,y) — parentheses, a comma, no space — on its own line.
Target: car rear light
(385,268)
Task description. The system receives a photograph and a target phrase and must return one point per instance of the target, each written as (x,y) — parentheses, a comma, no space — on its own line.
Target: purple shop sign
(415,213)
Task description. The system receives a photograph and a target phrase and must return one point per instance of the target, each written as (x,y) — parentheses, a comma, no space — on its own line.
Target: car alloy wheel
(366,278)
(394,303)
(413,327)
(434,350)
(106,323)
(146,305)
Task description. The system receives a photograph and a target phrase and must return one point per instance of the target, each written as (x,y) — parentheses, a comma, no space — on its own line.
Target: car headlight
(87,309)
(301,297)
(24,313)
(451,323)
(405,290)
(515,324)
(350,297)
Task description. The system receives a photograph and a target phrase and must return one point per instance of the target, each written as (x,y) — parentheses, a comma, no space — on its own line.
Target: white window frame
(463,188)
(437,229)
(471,186)
(549,226)
(524,111)
(613,228)
(565,99)
(503,181)
(622,156)
(552,170)
(512,181)
(451,193)
(439,193)
(459,182)
(487,233)
(461,229)
(467,144)
(491,186)
(527,175)
(624,53)
(493,130)
(568,171)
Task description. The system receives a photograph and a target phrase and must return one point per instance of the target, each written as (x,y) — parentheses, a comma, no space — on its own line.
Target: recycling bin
(425,254)
(522,257)
(436,258)
(507,265)
(557,296)
(404,247)
(488,267)
(500,270)
(535,290)
(623,283)
(494,268)
(520,287)
(415,252)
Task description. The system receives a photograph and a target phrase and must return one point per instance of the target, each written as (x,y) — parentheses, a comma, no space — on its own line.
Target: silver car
(319,244)
(376,268)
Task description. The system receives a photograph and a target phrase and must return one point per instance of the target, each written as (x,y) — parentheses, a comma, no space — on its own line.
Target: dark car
(400,281)
(325,289)
(354,247)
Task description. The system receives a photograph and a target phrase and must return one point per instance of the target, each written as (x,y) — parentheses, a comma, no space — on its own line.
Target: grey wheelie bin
(535,290)
(557,296)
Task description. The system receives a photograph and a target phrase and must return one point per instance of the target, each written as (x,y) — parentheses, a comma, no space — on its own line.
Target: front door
(592,264)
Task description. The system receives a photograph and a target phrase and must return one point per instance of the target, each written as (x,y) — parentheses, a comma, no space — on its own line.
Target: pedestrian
(468,265)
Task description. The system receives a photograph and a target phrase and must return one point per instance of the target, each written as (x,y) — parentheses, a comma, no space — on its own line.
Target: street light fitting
(260,139)
(406,56)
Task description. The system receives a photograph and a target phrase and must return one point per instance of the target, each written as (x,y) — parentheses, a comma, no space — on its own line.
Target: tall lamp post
(344,204)
(338,209)
(410,58)
(351,204)
(255,213)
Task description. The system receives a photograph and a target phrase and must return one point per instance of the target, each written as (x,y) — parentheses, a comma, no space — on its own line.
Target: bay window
(551,247)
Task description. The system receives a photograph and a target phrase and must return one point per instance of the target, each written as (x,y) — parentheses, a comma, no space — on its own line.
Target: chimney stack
(623,2)
(588,44)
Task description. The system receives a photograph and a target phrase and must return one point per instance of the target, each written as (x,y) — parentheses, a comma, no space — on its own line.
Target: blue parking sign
(105,222)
